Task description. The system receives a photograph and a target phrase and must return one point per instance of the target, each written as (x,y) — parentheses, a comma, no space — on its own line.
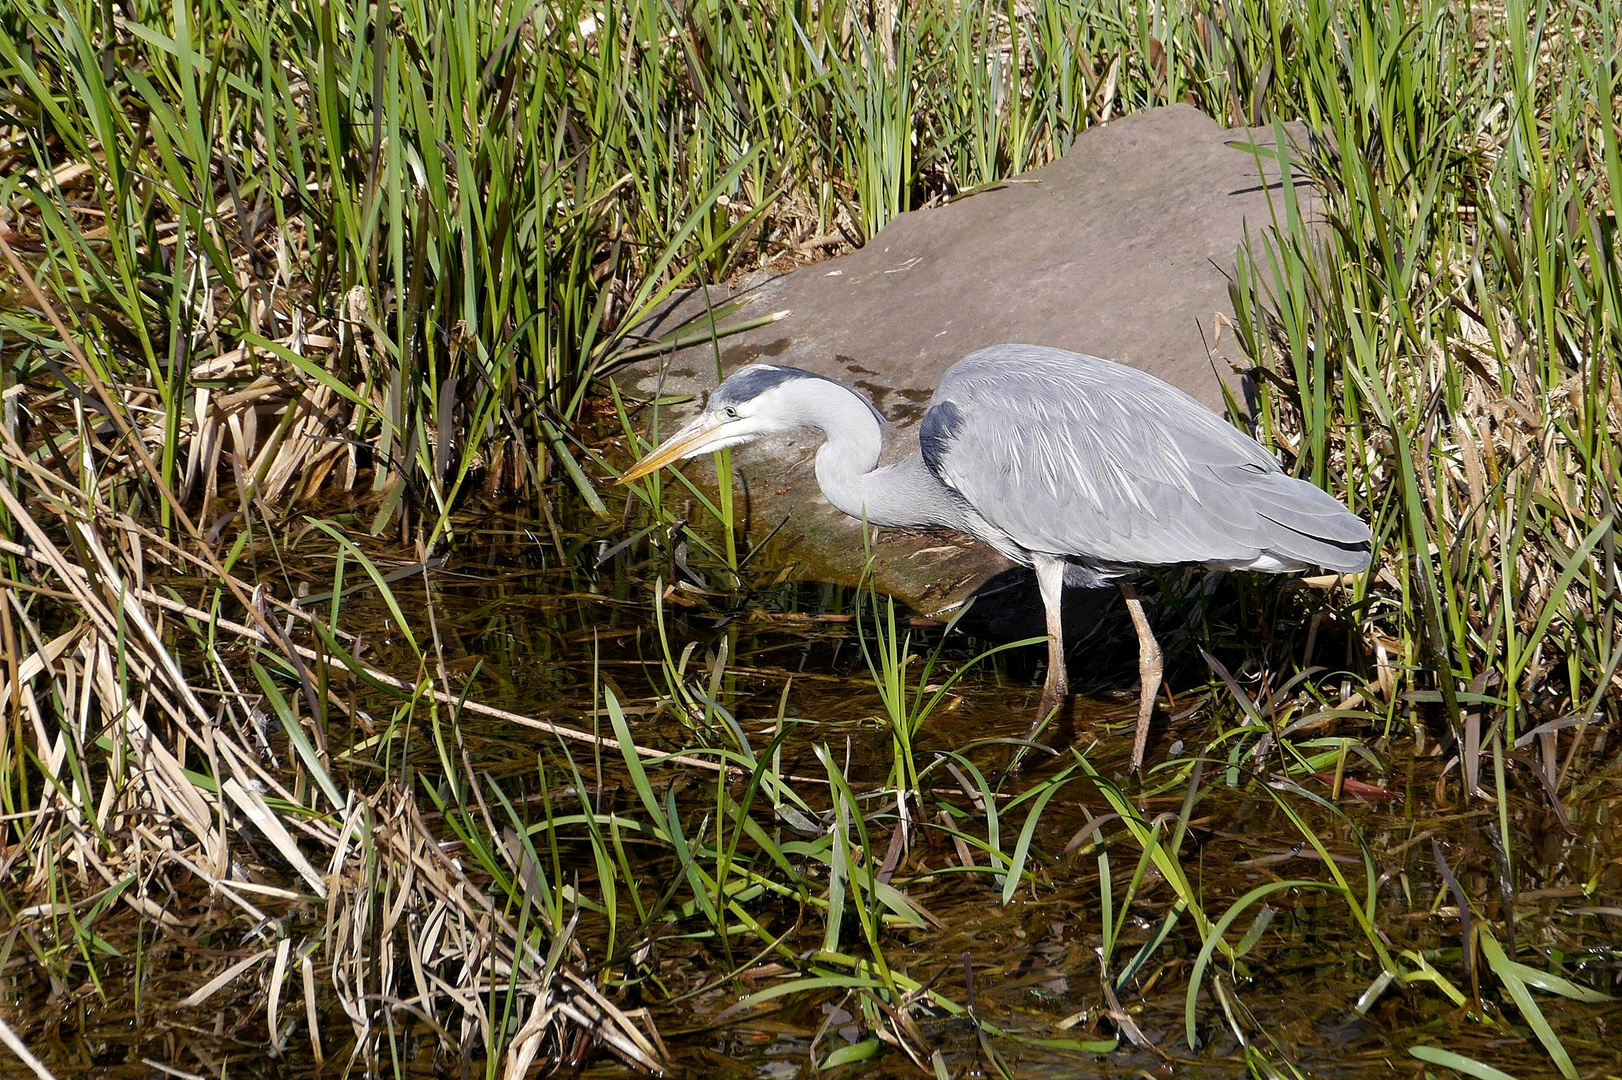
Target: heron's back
(1070,455)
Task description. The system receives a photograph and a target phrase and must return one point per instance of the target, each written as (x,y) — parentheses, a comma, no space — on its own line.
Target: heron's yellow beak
(688,441)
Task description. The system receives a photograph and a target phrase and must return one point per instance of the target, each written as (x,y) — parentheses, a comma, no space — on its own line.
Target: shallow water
(522,629)
(1035,962)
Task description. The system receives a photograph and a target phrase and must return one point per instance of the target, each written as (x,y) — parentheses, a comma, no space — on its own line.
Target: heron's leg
(1050,582)
(1150,668)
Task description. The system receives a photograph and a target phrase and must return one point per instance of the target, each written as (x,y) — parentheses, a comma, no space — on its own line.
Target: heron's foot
(1147,694)
(1049,714)
(1049,711)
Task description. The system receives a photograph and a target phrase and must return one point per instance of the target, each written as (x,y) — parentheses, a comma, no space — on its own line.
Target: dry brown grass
(150,780)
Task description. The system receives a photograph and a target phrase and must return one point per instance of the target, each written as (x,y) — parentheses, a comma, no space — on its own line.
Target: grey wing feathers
(1316,528)
(1071,455)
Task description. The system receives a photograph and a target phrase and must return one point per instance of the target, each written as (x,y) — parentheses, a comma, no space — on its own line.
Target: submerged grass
(262,254)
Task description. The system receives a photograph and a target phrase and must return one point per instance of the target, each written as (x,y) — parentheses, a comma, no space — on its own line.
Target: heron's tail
(1312,527)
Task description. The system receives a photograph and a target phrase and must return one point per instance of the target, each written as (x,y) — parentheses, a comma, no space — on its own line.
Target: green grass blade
(1460,1064)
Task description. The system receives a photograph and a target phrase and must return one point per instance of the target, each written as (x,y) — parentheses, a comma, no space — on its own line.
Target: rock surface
(1122,249)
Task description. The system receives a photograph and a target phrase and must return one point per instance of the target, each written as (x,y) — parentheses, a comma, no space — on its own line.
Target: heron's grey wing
(1072,455)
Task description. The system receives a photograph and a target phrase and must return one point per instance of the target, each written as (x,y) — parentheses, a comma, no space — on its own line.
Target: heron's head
(752,403)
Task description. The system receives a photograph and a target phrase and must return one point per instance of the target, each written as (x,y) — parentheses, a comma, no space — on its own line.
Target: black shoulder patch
(940,426)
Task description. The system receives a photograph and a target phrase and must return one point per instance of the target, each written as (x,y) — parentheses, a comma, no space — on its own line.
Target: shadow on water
(1094,947)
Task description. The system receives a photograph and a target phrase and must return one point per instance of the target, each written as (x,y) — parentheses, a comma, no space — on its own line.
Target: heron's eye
(732,413)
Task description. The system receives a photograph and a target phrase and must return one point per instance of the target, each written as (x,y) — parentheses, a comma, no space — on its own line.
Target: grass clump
(170,787)
(1449,338)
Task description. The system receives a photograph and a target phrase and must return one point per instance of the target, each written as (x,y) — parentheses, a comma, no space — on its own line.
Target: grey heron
(1086,470)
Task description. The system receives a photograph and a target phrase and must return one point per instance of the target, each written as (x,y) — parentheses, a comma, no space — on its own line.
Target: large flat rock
(1122,249)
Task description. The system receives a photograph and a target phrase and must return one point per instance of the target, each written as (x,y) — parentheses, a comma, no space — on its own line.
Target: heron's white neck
(903,495)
